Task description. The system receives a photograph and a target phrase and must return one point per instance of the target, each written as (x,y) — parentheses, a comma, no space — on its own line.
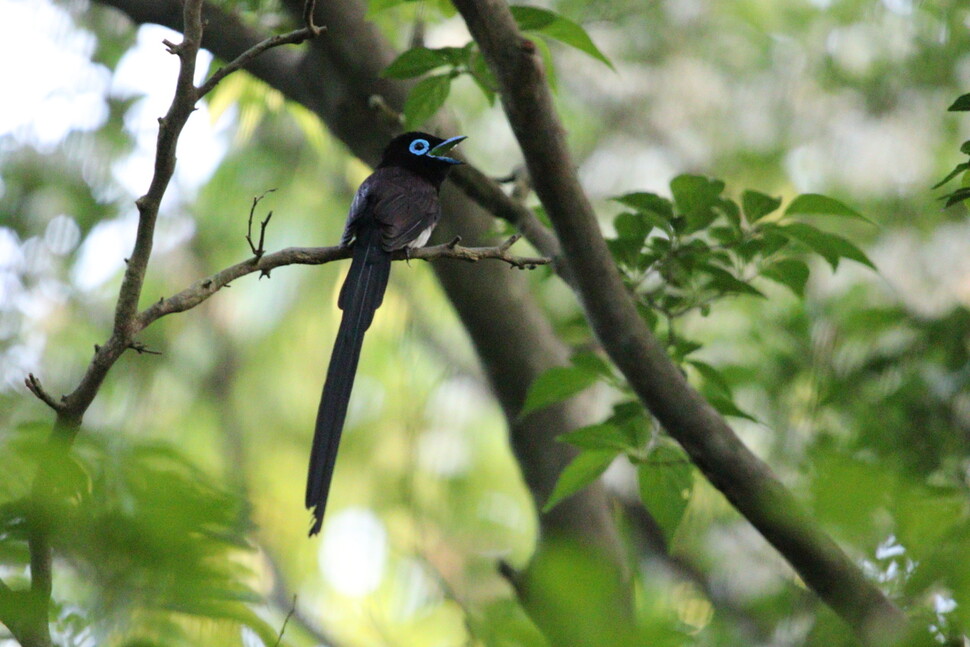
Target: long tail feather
(360,296)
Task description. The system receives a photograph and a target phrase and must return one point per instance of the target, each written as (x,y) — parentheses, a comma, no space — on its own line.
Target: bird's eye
(419,146)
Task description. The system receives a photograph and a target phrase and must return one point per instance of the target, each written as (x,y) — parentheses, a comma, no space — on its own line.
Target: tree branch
(34,386)
(32,629)
(332,79)
(202,289)
(294,37)
(743,478)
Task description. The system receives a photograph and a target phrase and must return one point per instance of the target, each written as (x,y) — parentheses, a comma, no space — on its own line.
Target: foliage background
(859,390)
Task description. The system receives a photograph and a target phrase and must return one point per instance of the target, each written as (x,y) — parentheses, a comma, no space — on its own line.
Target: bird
(396,208)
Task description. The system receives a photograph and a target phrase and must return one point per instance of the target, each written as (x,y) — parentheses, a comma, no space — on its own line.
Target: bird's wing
(403,205)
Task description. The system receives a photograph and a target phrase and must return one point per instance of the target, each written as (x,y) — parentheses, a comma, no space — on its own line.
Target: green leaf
(726,406)
(425,99)
(666,482)
(695,197)
(599,437)
(965,147)
(548,63)
(728,283)
(725,235)
(504,623)
(831,247)
(556,26)
(758,205)
(650,202)
(631,226)
(556,385)
(681,348)
(814,204)
(532,18)
(730,209)
(789,272)
(626,252)
(634,422)
(957,196)
(418,60)
(592,363)
(962,104)
(483,76)
(712,377)
(957,170)
(583,470)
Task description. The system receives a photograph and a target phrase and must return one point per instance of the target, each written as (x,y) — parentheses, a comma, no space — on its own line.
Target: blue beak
(438,152)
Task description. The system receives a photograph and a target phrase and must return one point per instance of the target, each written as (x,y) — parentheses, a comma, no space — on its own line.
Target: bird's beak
(438,152)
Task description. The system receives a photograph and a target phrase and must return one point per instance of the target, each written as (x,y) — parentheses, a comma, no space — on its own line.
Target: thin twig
(308,10)
(285,621)
(379,104)
(258,250)
(34,386)
(142,349)
(294,37)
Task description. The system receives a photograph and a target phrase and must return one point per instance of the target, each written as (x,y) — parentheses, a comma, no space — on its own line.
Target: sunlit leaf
(814,204)
(758,205)
(642,201)
(558,27)
(831,247)
(583,470)
(419,60)
(592,363)
(601,436)
(790,272)
(728,283)
(550,68)
(631,226)
(727,407)
(712,377)
(505,624)
(482,75)
(666,482)
(957,170)
(695,197)
(425,99)
(556,385)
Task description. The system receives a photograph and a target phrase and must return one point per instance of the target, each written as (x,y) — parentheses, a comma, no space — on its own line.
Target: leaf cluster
(962,104)
(445,64)
(684,254)
(681,255)
(143,529)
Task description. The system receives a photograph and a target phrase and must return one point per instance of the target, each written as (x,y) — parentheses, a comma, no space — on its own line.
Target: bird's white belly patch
(421,239)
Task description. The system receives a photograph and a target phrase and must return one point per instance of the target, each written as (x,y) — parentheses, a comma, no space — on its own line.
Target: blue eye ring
(419,146)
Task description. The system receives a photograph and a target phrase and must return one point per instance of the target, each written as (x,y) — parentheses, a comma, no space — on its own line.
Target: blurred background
(842,97)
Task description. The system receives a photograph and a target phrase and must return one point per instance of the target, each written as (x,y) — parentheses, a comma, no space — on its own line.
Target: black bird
(395,208)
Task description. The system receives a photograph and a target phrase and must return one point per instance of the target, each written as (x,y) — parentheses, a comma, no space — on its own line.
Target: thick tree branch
(743,478)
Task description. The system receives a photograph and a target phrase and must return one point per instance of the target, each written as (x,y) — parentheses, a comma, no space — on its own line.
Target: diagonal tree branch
(743,478)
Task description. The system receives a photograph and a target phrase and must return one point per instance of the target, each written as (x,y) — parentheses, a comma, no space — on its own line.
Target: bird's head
(422,153)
